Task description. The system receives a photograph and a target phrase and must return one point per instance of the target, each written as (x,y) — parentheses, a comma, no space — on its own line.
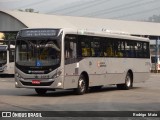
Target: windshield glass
(37,53)
(3,56)
(154,59)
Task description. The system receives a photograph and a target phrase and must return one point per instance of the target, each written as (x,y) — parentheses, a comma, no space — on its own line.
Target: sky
(136,10)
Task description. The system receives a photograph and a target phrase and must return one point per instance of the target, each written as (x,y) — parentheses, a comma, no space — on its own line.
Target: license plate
(36,82)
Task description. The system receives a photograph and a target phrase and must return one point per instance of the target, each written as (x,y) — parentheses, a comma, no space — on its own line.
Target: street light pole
(157,55)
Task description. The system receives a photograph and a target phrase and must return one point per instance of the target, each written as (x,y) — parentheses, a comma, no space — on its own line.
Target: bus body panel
(103,71)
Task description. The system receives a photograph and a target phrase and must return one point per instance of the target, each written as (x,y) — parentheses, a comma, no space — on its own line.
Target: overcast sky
(112,9)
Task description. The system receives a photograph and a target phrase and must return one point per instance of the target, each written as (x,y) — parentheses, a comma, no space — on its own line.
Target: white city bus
(6,60)
(155,63)
(3,57)
(50,59)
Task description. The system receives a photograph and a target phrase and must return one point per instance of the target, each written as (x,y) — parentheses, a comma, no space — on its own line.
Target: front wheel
(82,86)
(40,91)
(128,83)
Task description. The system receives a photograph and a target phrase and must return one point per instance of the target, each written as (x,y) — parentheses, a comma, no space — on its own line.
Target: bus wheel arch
(83,84)
(128,81)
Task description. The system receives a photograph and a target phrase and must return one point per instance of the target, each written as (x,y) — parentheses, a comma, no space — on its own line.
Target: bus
(6,60)
(62,58)
(155,63)
(3,57)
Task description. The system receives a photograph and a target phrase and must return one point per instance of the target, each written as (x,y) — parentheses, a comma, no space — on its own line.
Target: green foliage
(10,36)
(154,18)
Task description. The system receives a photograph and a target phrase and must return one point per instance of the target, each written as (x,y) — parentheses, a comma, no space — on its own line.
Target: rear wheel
(128,83)
(40,91)
(82,86)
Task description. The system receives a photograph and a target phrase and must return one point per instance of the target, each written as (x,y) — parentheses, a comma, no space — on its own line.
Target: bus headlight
(59,84)
(19,76)
(57,74)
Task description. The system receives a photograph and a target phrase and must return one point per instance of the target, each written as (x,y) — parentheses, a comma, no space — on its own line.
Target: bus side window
(109,49)
(97,47)
(85,52)
(68,51)
(139,50)
(146,50)
(70,48)
(84,49)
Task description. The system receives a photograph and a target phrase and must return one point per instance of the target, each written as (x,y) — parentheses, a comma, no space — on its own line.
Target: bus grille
(41,84)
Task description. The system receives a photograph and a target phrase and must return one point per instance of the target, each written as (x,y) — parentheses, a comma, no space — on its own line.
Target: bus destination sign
(38,33)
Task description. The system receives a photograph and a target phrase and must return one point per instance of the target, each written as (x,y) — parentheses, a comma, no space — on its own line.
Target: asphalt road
(143,97)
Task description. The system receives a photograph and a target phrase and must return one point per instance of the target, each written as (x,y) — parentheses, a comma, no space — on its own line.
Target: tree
(154,18)
(10,36)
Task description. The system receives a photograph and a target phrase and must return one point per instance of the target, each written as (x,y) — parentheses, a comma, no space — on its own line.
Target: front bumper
(56,83)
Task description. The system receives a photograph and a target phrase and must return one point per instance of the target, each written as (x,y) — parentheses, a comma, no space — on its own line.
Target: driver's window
(70,48)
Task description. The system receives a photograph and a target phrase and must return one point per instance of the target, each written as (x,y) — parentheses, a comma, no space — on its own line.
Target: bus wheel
(128,83)
(40,91)
(82,85)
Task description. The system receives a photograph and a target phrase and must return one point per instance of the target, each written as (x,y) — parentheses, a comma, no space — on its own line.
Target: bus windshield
(155,59)
(3,56)
(37,53)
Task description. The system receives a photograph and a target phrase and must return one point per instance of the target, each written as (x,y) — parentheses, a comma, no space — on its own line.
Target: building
(13,21)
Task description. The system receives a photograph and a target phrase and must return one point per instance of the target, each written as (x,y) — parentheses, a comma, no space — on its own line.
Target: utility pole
(157,55)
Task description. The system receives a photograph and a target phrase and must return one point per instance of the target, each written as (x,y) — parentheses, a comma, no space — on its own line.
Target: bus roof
(103,33)
(121,35)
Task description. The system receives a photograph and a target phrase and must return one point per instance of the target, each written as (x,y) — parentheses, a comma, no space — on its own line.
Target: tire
(40,91)
(82,86)
(128,83)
